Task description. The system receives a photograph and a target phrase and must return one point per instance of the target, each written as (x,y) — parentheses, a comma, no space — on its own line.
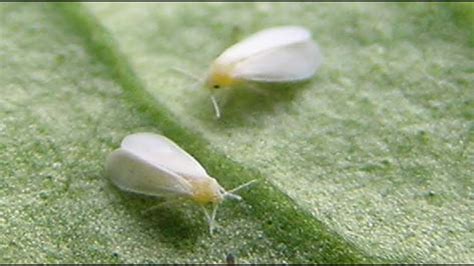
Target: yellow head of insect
(207,191)
(219,77)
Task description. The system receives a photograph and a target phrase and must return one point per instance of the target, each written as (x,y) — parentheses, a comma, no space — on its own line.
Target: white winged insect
(279,54)
(151,164)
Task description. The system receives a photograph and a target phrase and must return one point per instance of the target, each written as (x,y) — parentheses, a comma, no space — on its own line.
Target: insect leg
(209,219)
(214,224)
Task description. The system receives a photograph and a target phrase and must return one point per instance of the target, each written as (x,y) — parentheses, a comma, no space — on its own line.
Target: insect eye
(216,86)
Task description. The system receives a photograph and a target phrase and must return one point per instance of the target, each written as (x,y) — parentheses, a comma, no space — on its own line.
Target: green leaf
(371,161)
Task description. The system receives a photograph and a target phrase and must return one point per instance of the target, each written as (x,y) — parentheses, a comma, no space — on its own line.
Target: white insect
(152,164)
(280,54)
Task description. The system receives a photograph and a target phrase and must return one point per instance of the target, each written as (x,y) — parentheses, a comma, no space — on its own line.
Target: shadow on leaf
(177,223)
(247,102)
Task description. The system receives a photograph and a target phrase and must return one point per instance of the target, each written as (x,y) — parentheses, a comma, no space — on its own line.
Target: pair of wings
(273,55)
(151,164)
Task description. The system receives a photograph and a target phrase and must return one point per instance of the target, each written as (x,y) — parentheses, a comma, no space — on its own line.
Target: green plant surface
(61,114)
(369,161)
(376,146)
(62,111)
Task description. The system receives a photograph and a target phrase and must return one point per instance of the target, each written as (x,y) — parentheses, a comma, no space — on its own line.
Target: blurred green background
(370,161)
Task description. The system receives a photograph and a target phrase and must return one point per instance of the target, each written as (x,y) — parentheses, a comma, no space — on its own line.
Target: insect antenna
(186,73)
(242,186)
(198,80)
(198,83)
(230,193)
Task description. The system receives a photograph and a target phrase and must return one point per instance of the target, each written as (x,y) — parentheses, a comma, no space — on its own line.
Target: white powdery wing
(160,151)
(262,41)
(293,62)
(132,173)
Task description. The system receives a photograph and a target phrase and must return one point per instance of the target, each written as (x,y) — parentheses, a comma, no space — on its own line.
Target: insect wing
(160,151)
(297,61)
(263,41)
(132,173)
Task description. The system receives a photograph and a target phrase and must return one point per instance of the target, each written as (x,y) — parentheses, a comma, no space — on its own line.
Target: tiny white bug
(151,164)
(279,54)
